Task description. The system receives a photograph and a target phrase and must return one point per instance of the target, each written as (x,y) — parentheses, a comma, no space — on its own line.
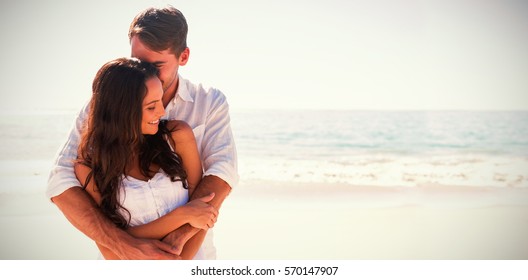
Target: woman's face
(152,107)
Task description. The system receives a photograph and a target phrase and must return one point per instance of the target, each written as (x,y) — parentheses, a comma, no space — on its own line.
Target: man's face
(166,62)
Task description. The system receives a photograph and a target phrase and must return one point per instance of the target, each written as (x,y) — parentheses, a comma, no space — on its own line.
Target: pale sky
(358,55)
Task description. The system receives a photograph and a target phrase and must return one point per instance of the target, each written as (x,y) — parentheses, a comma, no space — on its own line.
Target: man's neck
(170,93)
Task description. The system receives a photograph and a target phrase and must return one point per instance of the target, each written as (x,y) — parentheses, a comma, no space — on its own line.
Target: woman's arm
(198,213)
(193,245)
(185,146)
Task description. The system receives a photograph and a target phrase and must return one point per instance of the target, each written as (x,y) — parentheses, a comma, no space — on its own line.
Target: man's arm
(212,184)
(82,212)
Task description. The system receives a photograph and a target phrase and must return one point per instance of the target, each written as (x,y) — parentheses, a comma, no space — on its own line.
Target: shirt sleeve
(218,146)
(62,175)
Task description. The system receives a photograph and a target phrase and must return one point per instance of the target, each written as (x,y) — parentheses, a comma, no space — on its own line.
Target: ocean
(372,148)
(384,148)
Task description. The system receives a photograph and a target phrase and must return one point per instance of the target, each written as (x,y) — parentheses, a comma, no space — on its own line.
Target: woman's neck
(134,170)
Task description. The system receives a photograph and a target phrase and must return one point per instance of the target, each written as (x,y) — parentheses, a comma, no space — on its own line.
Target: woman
(138,169)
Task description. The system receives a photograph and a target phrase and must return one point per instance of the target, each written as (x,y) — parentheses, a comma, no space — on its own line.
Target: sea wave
(393,170)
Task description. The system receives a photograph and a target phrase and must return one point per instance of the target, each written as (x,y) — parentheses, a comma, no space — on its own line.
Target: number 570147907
(313,270)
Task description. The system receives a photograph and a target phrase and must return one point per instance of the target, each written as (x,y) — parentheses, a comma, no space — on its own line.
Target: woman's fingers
(207,198)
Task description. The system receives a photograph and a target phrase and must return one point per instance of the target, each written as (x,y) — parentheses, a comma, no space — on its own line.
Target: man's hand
(148,249)
(81,210)
(179,237)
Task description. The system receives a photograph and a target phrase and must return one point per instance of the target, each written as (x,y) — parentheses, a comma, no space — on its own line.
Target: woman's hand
(201,215)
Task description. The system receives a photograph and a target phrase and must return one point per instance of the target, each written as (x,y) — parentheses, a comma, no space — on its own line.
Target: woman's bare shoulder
(180,131)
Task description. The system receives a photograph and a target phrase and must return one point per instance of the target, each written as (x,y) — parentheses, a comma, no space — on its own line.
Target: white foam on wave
(393,170)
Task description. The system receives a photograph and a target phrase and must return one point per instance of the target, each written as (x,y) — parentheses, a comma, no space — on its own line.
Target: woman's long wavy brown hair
(112,136)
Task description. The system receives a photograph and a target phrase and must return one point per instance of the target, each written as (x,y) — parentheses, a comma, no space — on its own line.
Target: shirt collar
(183,90)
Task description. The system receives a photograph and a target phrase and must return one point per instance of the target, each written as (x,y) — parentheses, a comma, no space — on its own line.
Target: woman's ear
(184,57)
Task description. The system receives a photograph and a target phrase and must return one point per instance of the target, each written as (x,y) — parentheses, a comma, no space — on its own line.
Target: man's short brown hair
(160,29)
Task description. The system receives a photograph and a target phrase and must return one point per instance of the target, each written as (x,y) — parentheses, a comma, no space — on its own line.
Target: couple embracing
(151,157)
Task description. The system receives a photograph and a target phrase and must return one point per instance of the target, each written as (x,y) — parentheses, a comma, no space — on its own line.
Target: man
(158,36)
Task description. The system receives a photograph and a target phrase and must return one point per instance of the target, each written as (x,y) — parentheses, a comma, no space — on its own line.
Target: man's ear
(184,57)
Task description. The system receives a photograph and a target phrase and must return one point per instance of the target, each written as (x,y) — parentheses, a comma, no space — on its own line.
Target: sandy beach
(295,221)
(355,223)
